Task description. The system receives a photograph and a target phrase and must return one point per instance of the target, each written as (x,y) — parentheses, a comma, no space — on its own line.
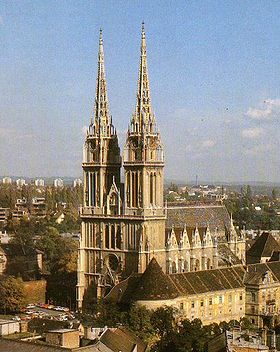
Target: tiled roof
(264,246)
(226,256)
(121,339)
(255,272)
(214,216)
(209,280)
(24,346)
(154,284)
(124,291)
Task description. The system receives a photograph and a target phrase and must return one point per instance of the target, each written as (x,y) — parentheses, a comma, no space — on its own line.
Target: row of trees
(161,329)
(72,196)
(244,213)
(59,259)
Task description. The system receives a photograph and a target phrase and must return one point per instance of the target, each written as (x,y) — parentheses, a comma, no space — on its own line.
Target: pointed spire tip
(100,36)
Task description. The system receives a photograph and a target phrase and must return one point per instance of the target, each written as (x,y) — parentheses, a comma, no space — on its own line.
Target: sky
(214,70)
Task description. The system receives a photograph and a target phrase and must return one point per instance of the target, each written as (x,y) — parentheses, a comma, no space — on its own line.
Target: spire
(102,119)
(143,114)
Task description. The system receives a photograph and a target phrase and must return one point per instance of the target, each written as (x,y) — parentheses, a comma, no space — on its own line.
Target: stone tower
(101,169)
(123,226)
(143,162)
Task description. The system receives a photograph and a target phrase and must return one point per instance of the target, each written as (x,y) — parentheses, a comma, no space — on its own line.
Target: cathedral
(125,223)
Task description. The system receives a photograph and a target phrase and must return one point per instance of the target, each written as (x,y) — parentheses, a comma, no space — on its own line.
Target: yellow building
(210,295)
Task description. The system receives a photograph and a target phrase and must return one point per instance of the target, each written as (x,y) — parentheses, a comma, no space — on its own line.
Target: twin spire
(143,119)
(101,123)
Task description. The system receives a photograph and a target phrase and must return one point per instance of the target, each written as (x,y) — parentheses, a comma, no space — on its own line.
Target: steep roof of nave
(214,216)
(153,284)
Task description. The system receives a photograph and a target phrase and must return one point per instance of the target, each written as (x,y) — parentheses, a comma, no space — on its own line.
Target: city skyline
(213,70)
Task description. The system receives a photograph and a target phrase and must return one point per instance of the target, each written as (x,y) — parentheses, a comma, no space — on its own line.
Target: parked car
(30,306)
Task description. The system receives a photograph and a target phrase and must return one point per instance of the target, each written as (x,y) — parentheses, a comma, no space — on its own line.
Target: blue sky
(214,70)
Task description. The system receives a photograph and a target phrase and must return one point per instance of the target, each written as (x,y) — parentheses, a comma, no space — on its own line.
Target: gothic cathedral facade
(124,224)
(121,223)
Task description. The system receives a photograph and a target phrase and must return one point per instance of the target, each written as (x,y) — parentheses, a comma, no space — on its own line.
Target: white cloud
(268,109)
(254,132)
(209,143)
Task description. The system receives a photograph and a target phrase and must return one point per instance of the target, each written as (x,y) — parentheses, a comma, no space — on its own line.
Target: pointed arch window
(113,237)
(118,239)
(107,236)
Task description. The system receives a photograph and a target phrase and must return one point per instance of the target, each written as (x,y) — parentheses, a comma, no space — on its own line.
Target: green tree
(274,194)
(139,321)
(11,293)
(163,320)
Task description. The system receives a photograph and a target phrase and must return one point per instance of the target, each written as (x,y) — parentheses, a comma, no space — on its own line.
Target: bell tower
(102,200)
(143,162)
(101,155)
(143,157)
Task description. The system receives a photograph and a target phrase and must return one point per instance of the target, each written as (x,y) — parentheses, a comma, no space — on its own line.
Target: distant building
(4,214)
(38,207)
(8,327)
(59,217)
(4,237)
(58,182)
(234,341)
(20,182)
(3,262)
(21,203)
(39,182)
(19,214)
(262,249)
(77,182)
(7,180)
(68,338)
(21,209)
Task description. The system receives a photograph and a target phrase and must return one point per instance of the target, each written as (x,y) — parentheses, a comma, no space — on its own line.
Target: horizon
(214,77)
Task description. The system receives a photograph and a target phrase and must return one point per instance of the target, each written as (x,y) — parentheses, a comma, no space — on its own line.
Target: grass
(18,336)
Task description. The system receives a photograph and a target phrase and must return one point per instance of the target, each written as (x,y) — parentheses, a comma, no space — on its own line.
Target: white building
(7,180)
(21,182)
(39,182)
(58,182)
(8,327)
(77,182)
